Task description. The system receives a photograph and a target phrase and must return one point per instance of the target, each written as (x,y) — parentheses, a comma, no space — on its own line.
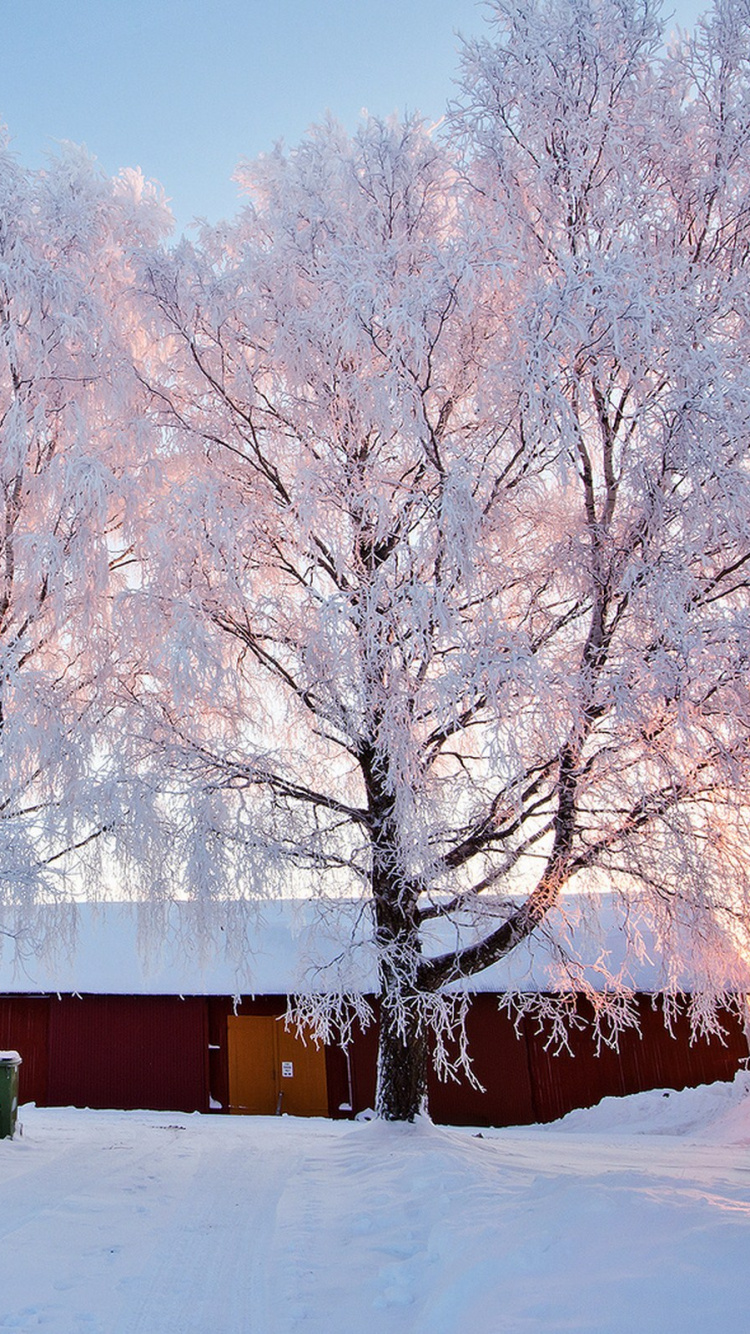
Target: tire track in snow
(54,1175)
(213,1250)
(69,1210)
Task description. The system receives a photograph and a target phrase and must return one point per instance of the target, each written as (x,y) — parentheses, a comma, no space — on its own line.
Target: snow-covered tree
(65,399)
(447,540)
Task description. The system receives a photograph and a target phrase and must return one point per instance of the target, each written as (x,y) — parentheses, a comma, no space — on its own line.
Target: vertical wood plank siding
(501,1066)
(170,1054)
(525,1080)
(129,1052)
(557,1082)
(24,1027)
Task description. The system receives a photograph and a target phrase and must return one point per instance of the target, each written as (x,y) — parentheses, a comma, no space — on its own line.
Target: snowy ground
(633,1216)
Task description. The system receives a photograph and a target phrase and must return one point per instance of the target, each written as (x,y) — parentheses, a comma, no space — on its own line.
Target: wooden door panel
(252,1066)
(304,1091)
(272,1070)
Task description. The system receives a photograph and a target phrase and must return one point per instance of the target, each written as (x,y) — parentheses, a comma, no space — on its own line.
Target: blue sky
(186,89)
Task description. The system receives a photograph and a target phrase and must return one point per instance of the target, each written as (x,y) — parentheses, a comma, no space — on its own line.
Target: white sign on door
(287,1070)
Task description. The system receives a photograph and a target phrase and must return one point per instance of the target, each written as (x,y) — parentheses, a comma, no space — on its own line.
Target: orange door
(302,1075)
(272,1071)
(252,1066)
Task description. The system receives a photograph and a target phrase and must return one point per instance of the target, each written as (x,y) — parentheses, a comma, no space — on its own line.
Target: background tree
(446,566)
(64,237)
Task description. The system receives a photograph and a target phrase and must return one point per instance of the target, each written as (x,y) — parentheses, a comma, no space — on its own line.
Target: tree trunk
(403,1047)
(402,1062)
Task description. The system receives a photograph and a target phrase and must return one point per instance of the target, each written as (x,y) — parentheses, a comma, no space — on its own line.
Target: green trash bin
(9,1063)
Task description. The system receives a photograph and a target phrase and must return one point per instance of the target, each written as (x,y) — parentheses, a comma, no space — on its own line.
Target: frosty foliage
(445,548)
(65,401)
(433,554)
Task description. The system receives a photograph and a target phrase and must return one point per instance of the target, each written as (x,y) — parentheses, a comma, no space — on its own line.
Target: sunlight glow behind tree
(433,474)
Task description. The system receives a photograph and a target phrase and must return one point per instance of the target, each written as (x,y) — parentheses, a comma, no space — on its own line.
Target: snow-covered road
(634,1216)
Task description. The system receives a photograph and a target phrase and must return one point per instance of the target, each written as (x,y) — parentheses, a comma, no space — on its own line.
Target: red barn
(104,1025)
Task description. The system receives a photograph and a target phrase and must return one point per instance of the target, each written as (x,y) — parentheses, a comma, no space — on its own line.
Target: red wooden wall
(109,1051)
(170,1054)
(525,1080)
(24,1027)
(128,1052)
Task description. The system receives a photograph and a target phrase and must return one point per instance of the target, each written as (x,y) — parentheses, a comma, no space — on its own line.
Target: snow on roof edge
(284,947)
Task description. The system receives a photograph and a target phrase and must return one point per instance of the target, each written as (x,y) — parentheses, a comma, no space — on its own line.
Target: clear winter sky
(184,89)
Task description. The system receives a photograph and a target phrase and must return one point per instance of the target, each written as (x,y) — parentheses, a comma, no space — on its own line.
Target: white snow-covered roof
(287,946)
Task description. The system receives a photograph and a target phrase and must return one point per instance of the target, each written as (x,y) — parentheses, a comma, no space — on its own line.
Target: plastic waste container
(9,1063)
